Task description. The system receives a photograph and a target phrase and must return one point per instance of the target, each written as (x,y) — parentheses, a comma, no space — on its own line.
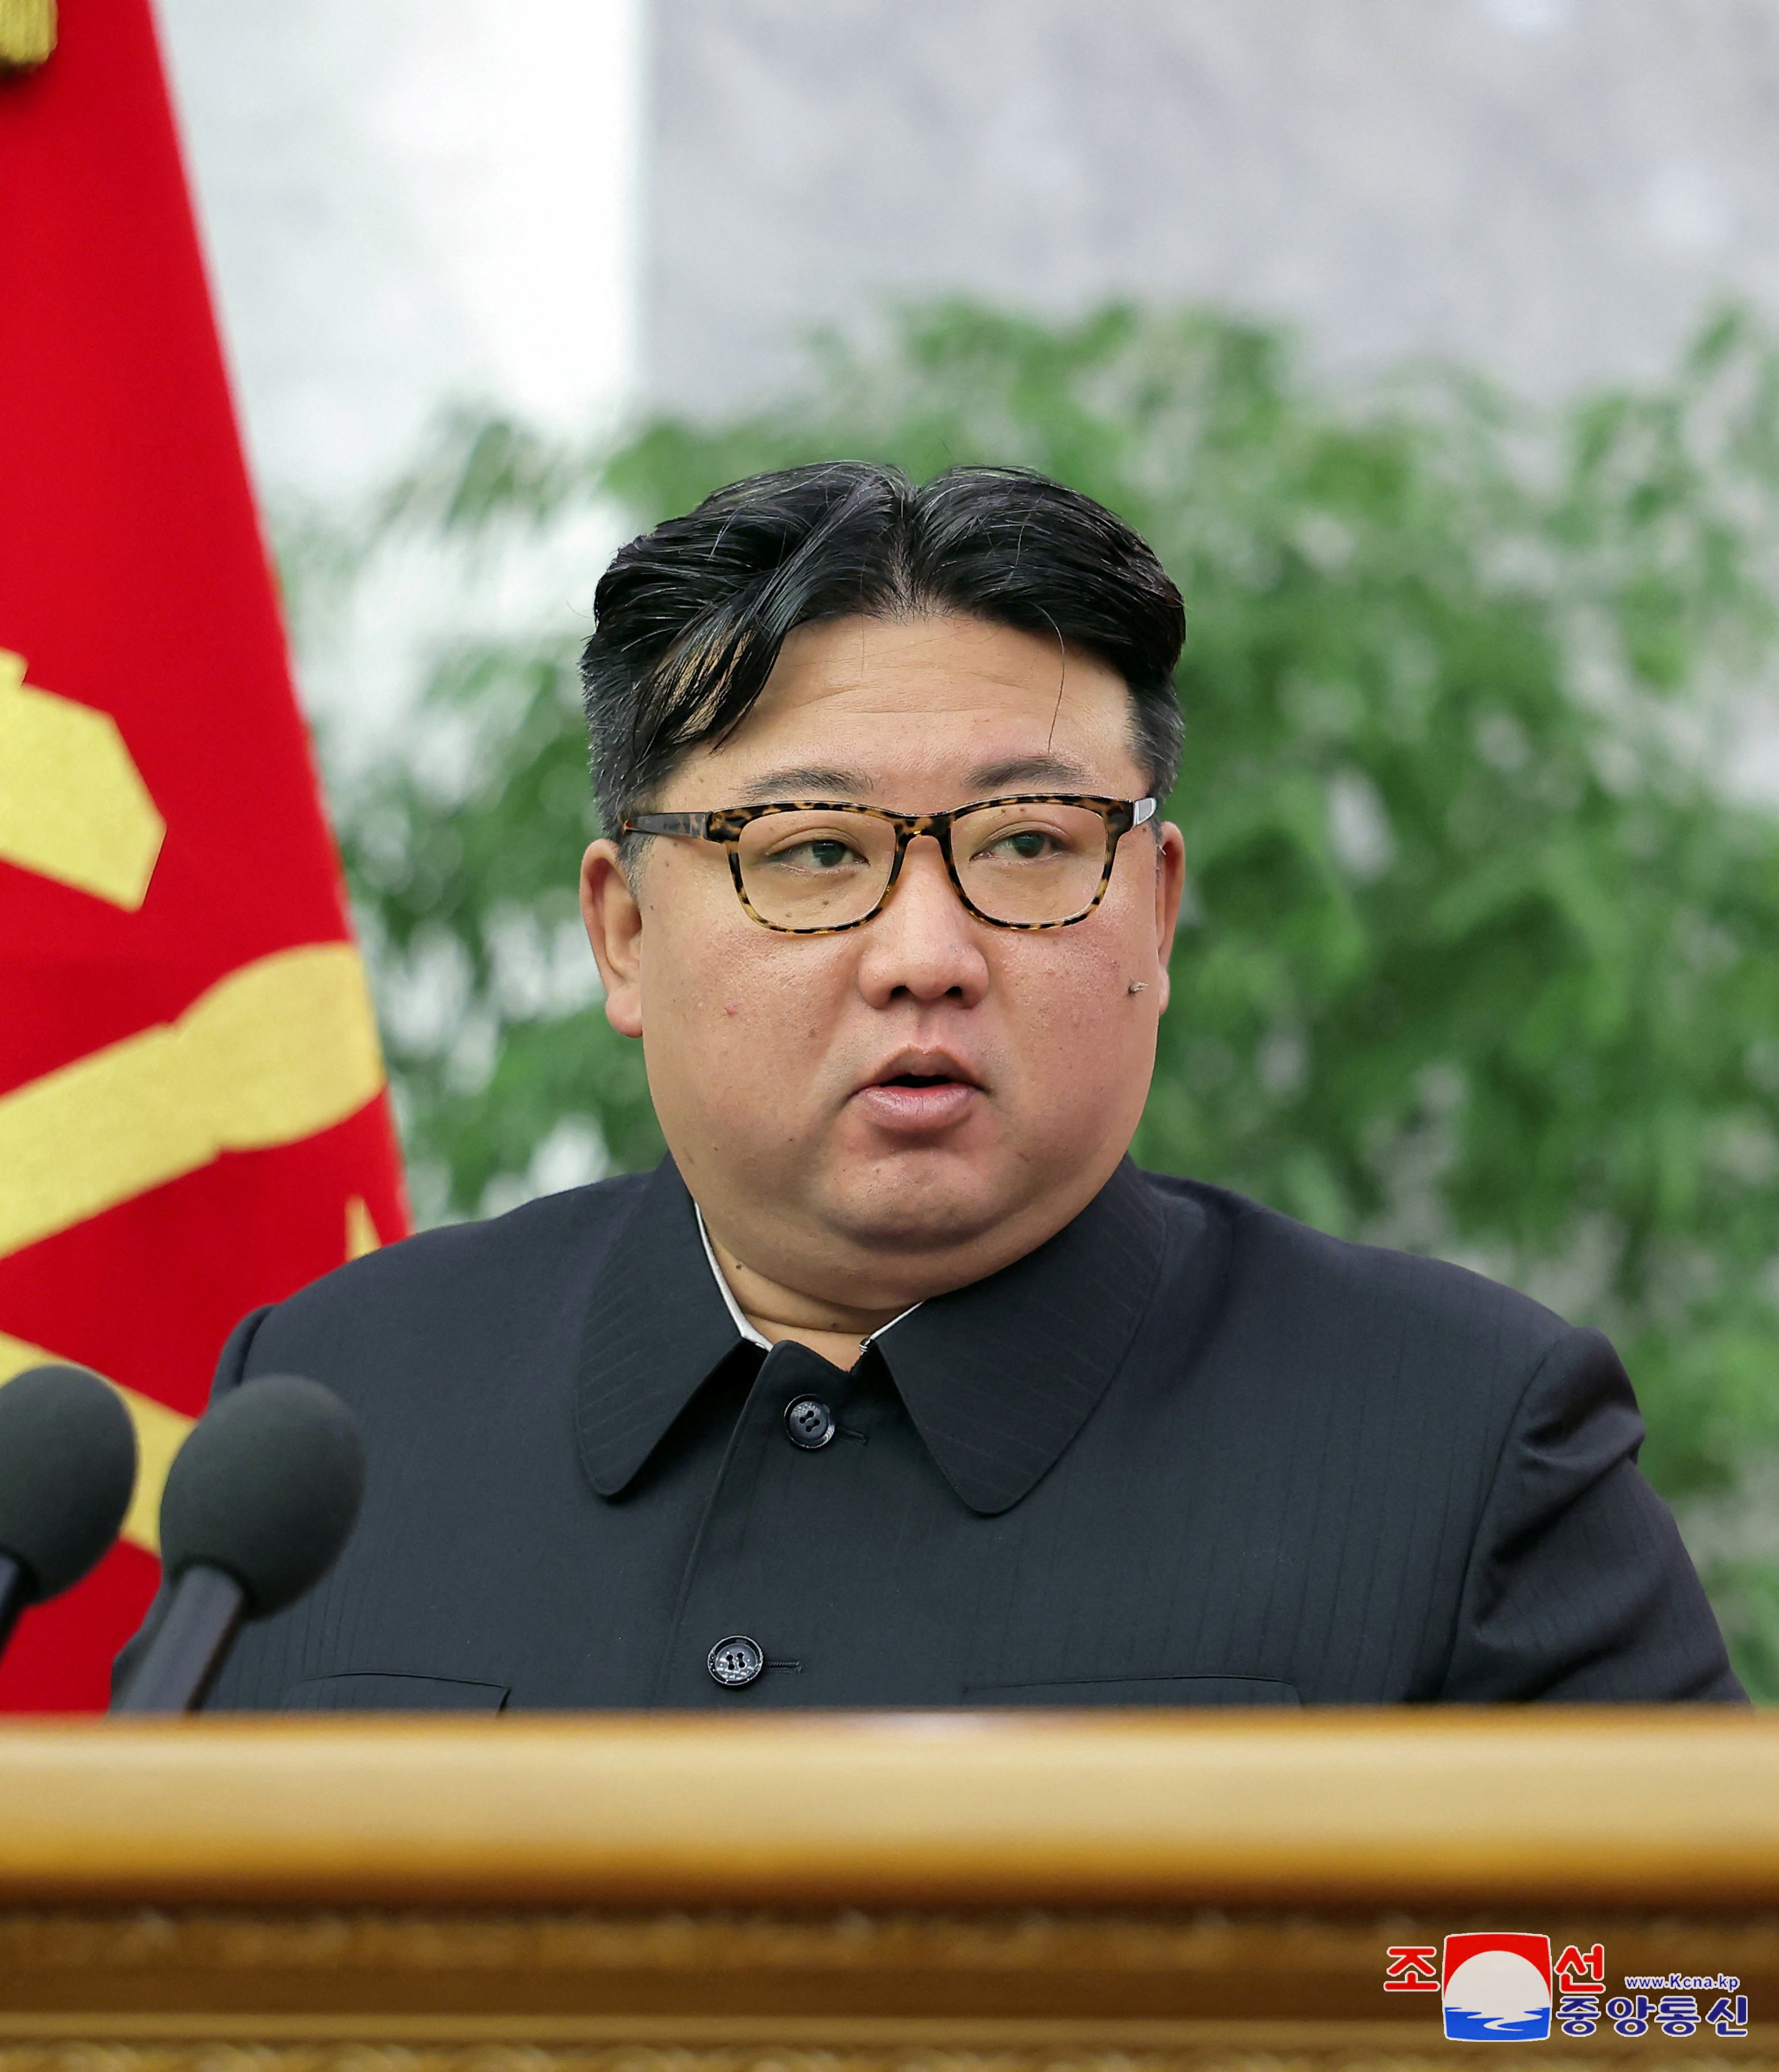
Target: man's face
(878,1117)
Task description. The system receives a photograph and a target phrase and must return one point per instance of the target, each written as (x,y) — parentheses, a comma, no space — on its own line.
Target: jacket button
(736,1660)
(810,1422)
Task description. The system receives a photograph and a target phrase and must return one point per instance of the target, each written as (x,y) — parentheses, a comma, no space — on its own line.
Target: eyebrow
(803,782)
(1044,769)
(808,780)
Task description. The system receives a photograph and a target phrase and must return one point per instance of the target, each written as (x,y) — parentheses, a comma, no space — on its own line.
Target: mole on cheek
(732,1008)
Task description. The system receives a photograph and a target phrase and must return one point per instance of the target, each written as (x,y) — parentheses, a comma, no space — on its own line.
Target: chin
(913,1212)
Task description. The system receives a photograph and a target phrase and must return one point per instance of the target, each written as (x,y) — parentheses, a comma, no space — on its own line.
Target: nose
(922,944)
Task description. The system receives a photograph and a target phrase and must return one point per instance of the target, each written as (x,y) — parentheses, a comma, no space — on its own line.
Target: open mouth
(920,1093)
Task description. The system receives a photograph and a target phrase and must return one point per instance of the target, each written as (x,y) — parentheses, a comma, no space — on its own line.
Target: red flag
(192,1117)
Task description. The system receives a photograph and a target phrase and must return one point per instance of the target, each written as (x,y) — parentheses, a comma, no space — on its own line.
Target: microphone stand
(202,1615)
(15,1593)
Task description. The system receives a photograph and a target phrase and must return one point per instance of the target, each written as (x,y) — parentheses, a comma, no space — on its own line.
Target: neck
(777,1312)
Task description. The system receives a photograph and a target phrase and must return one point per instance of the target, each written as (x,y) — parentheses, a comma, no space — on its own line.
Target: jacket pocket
(368,1693)
(1138,1690)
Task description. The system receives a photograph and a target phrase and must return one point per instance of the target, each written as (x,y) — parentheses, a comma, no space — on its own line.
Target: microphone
(259,1503)
(68,1467)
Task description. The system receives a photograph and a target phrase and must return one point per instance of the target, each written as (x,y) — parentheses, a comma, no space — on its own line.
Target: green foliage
(1480,952)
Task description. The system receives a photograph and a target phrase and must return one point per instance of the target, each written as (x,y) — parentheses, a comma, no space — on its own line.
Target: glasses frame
(725,824)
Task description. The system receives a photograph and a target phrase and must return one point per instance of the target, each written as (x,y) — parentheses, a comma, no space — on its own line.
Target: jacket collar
(998,1377)
(657,1328)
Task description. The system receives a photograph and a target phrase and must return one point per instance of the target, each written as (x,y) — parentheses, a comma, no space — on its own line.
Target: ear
(1170,884)
(614,927)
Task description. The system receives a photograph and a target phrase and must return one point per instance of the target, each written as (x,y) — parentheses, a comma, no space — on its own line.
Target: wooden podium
(827,1893)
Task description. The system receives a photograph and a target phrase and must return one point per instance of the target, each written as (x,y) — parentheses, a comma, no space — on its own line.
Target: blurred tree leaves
(1481,954)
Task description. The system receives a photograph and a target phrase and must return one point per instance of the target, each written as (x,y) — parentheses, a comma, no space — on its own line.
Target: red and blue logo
(1497,1988)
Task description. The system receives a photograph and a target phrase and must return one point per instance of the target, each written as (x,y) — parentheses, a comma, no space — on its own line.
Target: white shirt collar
(734,1308)
(726,1291)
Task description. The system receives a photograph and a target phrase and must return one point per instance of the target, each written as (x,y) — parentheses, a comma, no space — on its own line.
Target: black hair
(690,618)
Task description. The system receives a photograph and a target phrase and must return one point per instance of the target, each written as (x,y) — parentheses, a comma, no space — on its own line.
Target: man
(897,1384)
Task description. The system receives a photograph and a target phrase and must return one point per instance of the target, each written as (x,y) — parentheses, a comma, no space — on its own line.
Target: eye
(816,853)
(1026,844)
(828,853)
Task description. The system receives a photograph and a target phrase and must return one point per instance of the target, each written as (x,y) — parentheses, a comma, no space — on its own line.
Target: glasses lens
(1030,863)
(819,867)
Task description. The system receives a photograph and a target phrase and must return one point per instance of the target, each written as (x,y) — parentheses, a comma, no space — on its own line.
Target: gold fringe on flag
(27,31)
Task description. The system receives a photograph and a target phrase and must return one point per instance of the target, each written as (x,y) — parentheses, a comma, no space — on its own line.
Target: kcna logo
(1495,1988)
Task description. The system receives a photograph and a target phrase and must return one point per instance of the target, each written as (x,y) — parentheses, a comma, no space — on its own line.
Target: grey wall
(1555,188)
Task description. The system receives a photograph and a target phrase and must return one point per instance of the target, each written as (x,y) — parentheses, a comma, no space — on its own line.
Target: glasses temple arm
(694,825)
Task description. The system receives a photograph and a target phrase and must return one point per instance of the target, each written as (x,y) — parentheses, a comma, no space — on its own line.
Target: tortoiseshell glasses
(1035,860)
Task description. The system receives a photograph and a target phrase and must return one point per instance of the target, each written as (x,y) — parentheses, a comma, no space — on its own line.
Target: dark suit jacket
(1187,1452)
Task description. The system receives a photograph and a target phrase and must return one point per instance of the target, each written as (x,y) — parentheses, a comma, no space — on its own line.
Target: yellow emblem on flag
(73,806)
(27,31)
(361,1230)
(278,1051)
